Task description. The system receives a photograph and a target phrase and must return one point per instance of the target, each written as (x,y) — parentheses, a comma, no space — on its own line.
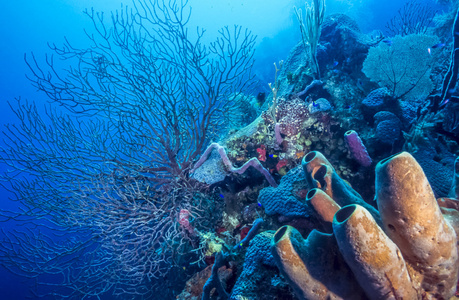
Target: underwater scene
(241,150)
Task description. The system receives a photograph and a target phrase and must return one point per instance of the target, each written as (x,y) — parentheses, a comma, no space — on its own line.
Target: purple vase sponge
(357,148)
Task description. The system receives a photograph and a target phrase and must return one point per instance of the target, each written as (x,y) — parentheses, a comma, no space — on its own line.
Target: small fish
(360,84)
(444,102)
(273,155)
(221,196)
(429,50)
(335,63)
(387,42)
(259,204)
(439,45)
(261,97)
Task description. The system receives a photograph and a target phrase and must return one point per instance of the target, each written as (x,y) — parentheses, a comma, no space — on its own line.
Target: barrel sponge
(324,208)
(413,220)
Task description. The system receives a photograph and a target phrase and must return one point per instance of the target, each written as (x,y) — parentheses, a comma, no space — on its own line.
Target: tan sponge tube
(375,260)
(413,220)
(313,266)
(407,249)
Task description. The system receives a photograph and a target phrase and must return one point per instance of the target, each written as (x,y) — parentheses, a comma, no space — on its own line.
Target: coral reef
(284,203)
(332,241)
(410,253)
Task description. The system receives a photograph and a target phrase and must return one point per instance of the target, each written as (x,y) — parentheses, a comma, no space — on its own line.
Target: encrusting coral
(411,252)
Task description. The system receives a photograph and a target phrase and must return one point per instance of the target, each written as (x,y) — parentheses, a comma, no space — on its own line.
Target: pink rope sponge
(253,162)
(357,148)
(184,221)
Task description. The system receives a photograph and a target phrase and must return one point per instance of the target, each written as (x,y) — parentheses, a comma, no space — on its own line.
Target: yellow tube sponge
(375,260)
(313,267)
(320,174)
(413,220)
(323,206)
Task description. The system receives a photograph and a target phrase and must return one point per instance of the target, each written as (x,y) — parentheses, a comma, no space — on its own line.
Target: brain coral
(284,200)
(259,269)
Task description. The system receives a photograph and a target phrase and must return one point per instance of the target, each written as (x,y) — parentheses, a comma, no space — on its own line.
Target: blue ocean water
(27,28)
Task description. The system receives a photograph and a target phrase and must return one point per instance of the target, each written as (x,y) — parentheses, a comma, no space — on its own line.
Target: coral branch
(310,30)
(252,232)
(304,93)
(214,279)
(450,80)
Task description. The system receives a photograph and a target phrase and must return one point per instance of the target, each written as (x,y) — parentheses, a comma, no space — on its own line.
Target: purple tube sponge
(253,162)
(357,148)
(252,232)
(277,134)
